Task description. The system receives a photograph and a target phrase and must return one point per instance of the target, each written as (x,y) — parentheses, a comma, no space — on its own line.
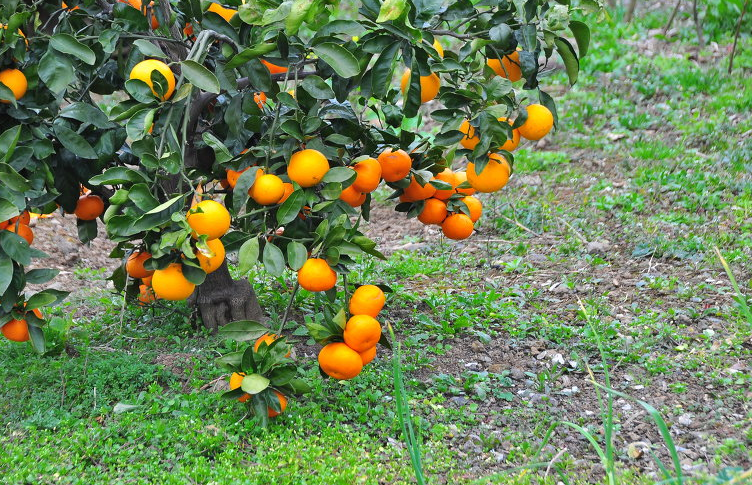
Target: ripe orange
(17,330)
(317,275)
(24,217)
(211,264)
(225,13)
(137,4)
(235,380)
(260,99)
(429,85)
(368,355)
(307,167)
(273,68)
(170,284)
(268,338)
(475,207)
(147,280)
(362,332)
(434,212)
(512,143)
(509,67)
(212,220)
(493,177)
(457,226)
(267,189)
(395,165)
(188,30)
(462,178)
(289,189)
(22,230)
(339,361)
(145,295)
(369,175)
(439,48)
(89,207)
(415,191)
(367,300)
(16,81)
(448,176)
(352,196)
(135,265)
(539,122)
(233,176)
(282,405)
(143,70)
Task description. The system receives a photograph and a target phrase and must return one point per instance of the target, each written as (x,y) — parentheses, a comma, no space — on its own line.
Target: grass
(652,156)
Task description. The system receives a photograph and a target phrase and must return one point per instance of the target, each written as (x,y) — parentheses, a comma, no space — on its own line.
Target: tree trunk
(221,300)
(698,25)
(630,10)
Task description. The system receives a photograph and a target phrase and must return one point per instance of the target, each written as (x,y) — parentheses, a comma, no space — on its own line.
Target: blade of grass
(740,298)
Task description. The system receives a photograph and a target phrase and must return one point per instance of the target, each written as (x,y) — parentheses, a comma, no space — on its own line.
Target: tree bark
(671,18)
(736,36)
(698,25)
(630,10)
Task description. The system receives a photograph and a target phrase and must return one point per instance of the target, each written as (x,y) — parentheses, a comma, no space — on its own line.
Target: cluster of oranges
(345,360)
(18,330)
(206,218)
(20,225)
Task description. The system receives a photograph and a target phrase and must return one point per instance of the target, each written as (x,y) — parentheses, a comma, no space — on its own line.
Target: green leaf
(6,272)
(148,49)
(248,255)
(243,330)
(74,142)
(37,276)
(274,260)
(250,53)
(221,153)
(383,70)
(86,113)
(7,210)
(298,12)
(340,59)
(87,230)
(119,175)
(568,55)
(16,247)
(56,71)
(231,360)
(282,375)
(297,254)
(391,10)
(317,88)
(37,338)
(8,141)
(291,207)
(39,300)
(140,123)
(299,386)
(13,179)
(581,33)
(339,174)
(67,44)
(200,76)
(254,383)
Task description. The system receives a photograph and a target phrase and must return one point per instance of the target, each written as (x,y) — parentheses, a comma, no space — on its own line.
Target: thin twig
(287,310)
(736,36)
(451,33)
(520,225)
(554,459)
(671,18)
(698,26)
(574,231)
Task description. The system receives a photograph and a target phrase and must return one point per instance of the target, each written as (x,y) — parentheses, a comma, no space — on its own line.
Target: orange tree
(196,129)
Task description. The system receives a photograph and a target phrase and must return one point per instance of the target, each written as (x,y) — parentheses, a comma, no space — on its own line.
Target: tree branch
(736,36)
(451,33)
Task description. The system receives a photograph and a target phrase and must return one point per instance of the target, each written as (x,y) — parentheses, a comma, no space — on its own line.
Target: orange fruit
(24,217)
(289,189)
(235,380)
(147,280)
(307,167)
(434,212)
(509,67)
(260,99)
(268,338)
(395,165)
(369,175)
(145,295)
(439,48)
(135,265)
(282,405)
(18,331)
(512,143)
(4,224)
(367,300)
(267,189)
(188,30)
(211,264)
(493,177)
(362,332)
(415,191)
(89,207)
(317,275)
(352,196)
(339,361)
(65,6)
(170,284)
(273,68)
(462,178)
(225,13)
(448,176)
(138,5)
(22,230)
(212,219)
(368,355)
(429,85)
(475,207)
(457,226)
(143,70)
(16,81)
(233,176)
(539,122)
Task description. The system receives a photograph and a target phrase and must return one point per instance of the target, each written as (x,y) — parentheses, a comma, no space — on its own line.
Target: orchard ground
(620,209)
